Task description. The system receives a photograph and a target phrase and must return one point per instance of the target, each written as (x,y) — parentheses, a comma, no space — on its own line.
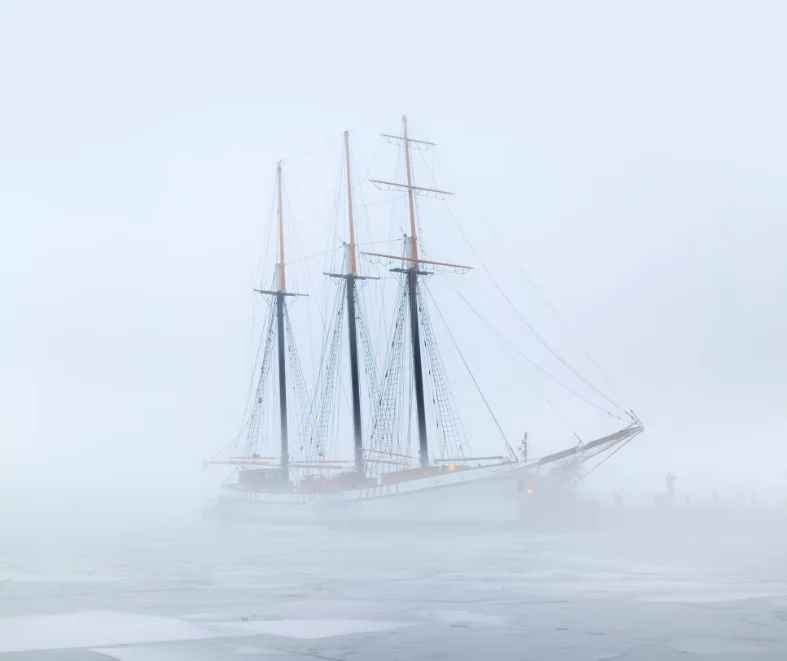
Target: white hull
(490,494)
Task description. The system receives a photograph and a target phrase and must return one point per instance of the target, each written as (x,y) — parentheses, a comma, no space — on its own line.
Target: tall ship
(400,451)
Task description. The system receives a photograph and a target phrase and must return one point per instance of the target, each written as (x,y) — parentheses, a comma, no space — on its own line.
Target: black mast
(418,374)
(412,290)
(354,376)
(280,293)
(285,453)
(351,318)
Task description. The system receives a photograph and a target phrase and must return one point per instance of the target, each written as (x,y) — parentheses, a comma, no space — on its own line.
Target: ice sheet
(312,629)
(695,645)
(253,649)
(181,653)
(93,629)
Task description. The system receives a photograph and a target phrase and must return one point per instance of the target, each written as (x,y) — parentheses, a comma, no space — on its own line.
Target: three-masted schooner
(384,480)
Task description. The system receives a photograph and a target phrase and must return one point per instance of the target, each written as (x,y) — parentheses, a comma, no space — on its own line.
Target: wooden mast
(282,283)
(352,330)
(353,265)
(413,236)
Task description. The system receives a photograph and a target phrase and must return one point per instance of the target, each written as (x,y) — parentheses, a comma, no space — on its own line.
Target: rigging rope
(310,257)
(515,309)
(298,383)
(525,373)
(453,441)
(609,456)
(573,336)
(370,364)
(322,407)
(525,322)
(252,439)
(534,364)
(385,424)
(311,151)
(543,395)
(472,376)
(262,263)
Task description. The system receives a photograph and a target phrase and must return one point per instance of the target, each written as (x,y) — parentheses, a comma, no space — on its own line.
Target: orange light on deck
(451,468)
(530,491)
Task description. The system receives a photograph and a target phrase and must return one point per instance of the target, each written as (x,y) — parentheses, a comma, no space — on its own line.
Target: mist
(618,172)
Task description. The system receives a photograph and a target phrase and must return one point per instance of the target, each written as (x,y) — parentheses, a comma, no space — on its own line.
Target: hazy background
(633,154)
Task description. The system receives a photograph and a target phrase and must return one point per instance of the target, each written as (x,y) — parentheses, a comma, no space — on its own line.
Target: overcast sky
(632,154)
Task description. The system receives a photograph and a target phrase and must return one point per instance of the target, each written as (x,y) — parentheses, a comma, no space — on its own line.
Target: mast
(415,328)
(280,294)
(352,332)
(412,271)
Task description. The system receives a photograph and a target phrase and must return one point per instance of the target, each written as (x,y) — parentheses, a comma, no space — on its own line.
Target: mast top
(352,266)
(281,283)
(411,201)
(412,257)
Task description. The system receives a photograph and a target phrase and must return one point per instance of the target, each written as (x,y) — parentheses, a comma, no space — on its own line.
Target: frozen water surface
(211,591)
(309,629)
(89,628)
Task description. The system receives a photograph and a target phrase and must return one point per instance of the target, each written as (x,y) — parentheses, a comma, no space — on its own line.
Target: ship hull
(492,494)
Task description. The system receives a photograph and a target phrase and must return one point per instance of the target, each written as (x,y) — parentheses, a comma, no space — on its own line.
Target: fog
(618,169)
